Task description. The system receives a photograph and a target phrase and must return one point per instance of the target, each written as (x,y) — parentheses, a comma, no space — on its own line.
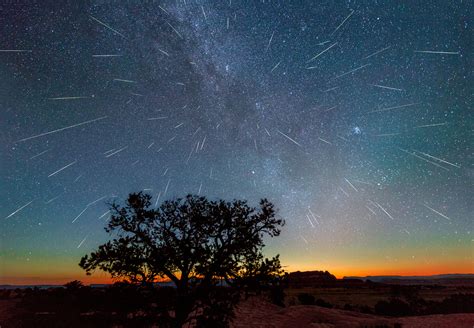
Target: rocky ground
(256,313)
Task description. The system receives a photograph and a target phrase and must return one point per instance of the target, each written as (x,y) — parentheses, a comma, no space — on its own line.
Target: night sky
(353,117)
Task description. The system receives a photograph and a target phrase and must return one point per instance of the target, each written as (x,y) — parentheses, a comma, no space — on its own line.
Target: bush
(306,299)
(128,305)
(366,309)
(323,303)
(277,295)
(394,308)
(348,307)
(458,303)
(292,301)
(215,307)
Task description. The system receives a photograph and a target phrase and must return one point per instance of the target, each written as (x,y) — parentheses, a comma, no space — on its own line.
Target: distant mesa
(300,279)
(440,279)
(316,275)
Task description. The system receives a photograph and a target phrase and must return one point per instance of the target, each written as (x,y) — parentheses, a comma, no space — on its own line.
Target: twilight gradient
(353,117)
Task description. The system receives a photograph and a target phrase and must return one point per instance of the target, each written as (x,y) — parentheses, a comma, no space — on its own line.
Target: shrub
(366,309)
(395,308)
(277,295)
(323,303)
(458,303)
(348,307)
(306,299)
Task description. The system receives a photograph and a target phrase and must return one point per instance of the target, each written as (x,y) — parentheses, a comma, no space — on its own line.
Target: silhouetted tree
(123,258)
(192,241)
(74,285)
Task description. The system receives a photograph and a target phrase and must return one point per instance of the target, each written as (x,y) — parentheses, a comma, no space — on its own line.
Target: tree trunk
(183,303)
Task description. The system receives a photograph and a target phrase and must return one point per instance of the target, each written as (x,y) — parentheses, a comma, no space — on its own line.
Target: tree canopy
(190,241)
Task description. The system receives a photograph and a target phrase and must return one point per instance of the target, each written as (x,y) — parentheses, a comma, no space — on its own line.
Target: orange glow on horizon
(102,278)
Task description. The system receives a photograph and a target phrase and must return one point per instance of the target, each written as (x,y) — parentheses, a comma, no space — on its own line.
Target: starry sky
(353,117)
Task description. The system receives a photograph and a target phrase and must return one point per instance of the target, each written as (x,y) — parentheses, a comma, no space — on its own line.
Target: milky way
(354,118)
